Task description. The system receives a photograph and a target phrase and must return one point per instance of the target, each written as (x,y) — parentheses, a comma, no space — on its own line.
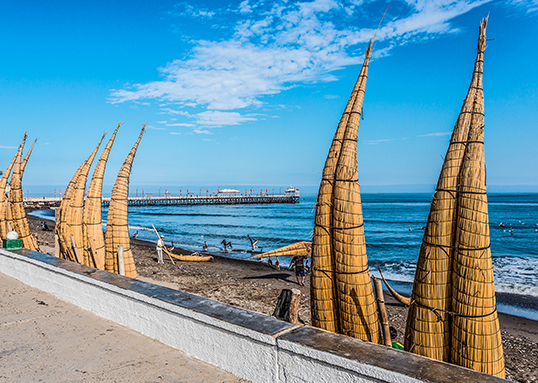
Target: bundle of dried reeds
(27,156)
(323,287)
(299,249)
(476,336)
(4,203)
(341,293)
(94,239)
(62,228)
(428,324)
(117,229)
(356,301)
(18,214)
(73,214)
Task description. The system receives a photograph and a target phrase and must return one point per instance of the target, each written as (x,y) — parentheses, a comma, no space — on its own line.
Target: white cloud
(180,124)
(153,127)
(175,133)
(529,5)
(435,134)
(7,147)
(278,45)
(216,118)
(202,131)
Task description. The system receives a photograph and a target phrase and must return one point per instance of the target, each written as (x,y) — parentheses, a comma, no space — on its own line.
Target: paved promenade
(44,339)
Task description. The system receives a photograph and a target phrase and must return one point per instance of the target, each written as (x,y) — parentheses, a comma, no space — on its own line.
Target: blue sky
(248,94)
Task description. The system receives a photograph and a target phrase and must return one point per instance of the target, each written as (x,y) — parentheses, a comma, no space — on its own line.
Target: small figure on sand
(160,245)
(253,243)
(44,226)
(135,235)
(300,271)
(226,245)
(204,248)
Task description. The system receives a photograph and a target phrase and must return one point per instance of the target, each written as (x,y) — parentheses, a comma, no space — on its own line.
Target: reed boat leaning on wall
(428,321)
(4,202)
(117,229)
(74,212)
(341,292)
(94,239)
(18,214)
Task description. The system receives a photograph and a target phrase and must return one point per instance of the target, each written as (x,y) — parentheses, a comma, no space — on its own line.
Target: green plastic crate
(12,244)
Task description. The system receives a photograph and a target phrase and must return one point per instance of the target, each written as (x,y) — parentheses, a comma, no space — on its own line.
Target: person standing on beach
(300,271)
(160,245)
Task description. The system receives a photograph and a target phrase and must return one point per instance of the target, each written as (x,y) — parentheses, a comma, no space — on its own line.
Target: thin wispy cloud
(383,140)
(435,134)
(7,147)
(153,127)
(528,5)
(274,46)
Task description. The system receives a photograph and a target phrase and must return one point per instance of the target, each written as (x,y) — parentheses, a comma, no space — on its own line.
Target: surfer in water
(205,246)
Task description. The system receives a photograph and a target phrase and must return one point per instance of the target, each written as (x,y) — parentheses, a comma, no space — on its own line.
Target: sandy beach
(254,285)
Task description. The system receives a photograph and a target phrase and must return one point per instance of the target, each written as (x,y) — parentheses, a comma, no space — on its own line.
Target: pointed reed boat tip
(400,298)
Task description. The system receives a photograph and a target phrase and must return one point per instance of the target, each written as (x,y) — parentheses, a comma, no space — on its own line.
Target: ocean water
(393,229)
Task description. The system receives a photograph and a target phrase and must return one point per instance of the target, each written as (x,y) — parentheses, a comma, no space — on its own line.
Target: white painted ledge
(249,345)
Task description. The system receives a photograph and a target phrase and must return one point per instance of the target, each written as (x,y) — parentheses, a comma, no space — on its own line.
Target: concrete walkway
(44,339)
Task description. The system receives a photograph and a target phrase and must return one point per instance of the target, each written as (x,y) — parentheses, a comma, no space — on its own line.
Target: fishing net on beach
(75,208)
(94,240)
(4,203)
(299,249)
(428,324)
(476,336)
(117,229)
(18,214)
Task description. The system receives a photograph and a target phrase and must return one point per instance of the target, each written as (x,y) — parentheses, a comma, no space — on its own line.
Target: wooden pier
(45,202)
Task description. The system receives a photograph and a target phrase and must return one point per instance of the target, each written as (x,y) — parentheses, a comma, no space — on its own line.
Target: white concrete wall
(246,353)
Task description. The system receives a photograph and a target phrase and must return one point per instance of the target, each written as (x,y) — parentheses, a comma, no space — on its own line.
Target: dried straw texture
(428,331)
(117,229)
(6,208)
(324,307)
(18,215)
(92,219)
(62,228)
(299,249)
(476,336)
(4,203)
(356,301)
(73,214)
(27,156)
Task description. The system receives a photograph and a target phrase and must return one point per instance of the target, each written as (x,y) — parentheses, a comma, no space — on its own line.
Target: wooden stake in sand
(121,260)
(380,298)
(117,230)
(287,306)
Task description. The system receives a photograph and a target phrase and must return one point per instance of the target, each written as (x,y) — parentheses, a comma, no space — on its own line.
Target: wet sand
(254,285)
